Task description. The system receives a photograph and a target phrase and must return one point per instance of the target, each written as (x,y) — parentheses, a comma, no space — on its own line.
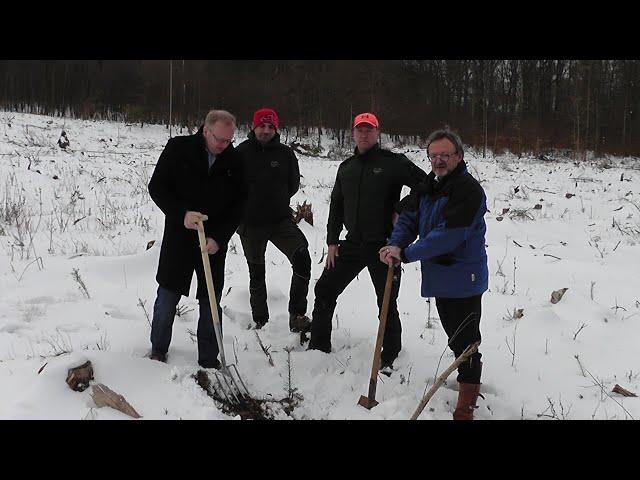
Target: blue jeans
(164,311)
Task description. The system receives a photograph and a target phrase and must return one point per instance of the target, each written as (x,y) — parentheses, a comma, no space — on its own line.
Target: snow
(97,217)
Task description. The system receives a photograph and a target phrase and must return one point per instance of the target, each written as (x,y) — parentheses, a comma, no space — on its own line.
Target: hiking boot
(386,367)
(299,322)
(259,324)
(315,346)
(160,357)
(214,364)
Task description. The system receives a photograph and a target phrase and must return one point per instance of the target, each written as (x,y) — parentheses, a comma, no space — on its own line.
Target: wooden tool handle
(381,328)
(210,290)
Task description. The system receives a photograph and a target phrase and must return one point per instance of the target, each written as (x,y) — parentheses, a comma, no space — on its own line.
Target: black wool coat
(182,181)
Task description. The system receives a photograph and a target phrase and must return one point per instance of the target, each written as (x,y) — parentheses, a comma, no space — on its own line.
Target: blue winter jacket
(448,218)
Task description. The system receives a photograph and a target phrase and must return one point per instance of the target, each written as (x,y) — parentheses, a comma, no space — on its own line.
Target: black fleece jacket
(271,176)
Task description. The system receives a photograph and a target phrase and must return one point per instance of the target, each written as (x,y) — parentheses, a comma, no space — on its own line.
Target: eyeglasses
(442,156)
(225,141)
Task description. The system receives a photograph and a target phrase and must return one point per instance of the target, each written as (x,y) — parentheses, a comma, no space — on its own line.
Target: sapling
(141,304)
(75,274)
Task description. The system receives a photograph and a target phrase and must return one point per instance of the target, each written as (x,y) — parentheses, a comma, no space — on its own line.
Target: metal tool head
(366,402)
(229,385)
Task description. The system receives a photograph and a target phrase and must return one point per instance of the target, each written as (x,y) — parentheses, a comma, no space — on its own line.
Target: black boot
(158,356)
(299,322)
(386,366)
(298,293)
(215,363)
(259,323)
(258,294)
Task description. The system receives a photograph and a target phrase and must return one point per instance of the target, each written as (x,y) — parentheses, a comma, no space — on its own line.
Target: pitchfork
(228,380)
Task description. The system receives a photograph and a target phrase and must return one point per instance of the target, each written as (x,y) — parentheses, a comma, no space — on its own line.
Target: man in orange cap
(364,199)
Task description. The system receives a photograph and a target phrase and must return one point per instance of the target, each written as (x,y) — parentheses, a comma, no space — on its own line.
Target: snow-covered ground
(87,210)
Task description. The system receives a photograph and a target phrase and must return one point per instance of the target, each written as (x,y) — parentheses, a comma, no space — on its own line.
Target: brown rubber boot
(467,397)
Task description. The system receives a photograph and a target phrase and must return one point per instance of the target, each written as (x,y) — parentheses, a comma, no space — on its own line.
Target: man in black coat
(272,177)
(196,175)
(365,200)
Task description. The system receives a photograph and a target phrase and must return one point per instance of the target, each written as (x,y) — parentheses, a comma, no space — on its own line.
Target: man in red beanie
(272,177)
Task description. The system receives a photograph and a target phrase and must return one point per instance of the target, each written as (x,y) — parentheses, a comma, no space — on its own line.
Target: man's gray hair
(219,116)
(450,135)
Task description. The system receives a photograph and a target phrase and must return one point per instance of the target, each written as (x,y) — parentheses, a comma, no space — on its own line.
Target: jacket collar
(200,140)
(432,187)
(270,144)
(368,153)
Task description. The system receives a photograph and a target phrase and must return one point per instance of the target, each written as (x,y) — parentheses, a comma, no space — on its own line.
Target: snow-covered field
(87,210)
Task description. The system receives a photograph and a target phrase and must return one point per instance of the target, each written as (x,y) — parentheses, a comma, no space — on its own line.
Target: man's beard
(441,176)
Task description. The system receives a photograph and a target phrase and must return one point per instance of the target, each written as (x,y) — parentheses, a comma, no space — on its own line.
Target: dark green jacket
(366,193)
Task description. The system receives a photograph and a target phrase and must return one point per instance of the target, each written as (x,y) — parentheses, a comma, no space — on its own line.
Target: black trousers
(460,318)
(352,259)
(289,239)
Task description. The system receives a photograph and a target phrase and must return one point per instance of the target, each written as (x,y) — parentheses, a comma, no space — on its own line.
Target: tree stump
(303,212)
(78,378)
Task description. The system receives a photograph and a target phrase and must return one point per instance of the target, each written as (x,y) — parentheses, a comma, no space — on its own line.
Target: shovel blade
(366,402)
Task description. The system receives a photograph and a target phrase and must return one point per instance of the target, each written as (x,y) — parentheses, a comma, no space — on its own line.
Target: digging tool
(369,401)
(228,382)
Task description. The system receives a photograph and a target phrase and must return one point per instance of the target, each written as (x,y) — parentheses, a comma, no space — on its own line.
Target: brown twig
(595,381)
(579,330)
(470,350)
(264,349)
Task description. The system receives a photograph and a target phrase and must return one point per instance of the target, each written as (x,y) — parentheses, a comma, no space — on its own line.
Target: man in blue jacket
(446,213)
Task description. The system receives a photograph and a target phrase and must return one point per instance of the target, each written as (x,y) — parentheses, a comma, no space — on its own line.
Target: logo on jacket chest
(220,173)
(377,170)
(275,163)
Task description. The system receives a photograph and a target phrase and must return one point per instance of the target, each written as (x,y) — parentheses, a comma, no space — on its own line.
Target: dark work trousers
(289,239)
(164,311)
(352,259)
(462,315)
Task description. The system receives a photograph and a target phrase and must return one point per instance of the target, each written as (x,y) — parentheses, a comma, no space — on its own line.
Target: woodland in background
(524,106)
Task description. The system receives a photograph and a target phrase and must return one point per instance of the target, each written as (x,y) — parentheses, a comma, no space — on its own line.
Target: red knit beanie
(265,115)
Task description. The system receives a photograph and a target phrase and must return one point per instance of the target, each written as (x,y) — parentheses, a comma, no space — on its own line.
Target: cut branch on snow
(470,350)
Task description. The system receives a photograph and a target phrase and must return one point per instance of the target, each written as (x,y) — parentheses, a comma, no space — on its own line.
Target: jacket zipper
(358,204)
